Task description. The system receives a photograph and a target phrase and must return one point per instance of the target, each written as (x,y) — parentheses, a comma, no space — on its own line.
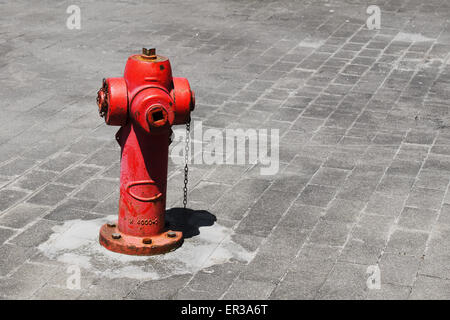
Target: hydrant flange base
(112,239)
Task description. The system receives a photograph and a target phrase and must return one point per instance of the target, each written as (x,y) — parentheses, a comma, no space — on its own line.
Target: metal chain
(186,161)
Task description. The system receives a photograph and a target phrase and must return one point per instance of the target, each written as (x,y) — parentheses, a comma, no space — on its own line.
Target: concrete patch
(76,243)
(411,37)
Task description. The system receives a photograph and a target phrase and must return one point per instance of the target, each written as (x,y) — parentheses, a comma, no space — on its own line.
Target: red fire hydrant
(146,102)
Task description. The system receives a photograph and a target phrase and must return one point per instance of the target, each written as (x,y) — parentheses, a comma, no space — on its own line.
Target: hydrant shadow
(188,221)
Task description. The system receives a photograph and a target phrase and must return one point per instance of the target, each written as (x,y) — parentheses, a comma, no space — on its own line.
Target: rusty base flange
(112,239)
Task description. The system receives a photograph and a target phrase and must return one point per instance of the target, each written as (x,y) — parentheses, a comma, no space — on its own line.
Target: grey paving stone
(265,213)
(394,185)
(62,273)
(159,289)
(227,174)
(315,259)
(404,168)
(208,192)
(97,190)
(373,227)
(295,138)
(436,259)
(357,189)
(42,150)
(248,242)
(34,179)
(362,251)
(286,114)
(371,173)
(389,292)
(212,282)
(439,238)
(60,162)
(435,264)
(35,275)
(104,288)
(13,257)
(220,120)
(329,177)
(343,160)
(266,105)
(432,179)
(290,182)
(266,268)
(317,195)
(50,195)
(5,234)
(444,216)
(317,111)
(71,209)
(437,162)
(398,269)
(420,137)
(21,215)
(48,292)
(407,242)
(343,210)
(86,145)
(259,85)
(385,205)
(108,206)
(332,233)
(430,288)
(78,175)
(417,218)
(447,198)
(16,166)
(242,289)
(103,157)
(379,155)
(10,197)
(307,124)
(236,202)
(34,235)
(425,198)
(444,150)
(298,286)
(3,182)
(346,281)
(283,243)
(301,217)
(13,288)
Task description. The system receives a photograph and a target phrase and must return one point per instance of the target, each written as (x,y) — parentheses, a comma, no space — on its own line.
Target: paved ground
(364,149)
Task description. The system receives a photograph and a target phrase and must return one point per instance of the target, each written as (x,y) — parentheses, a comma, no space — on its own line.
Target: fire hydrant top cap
(149,52)
(150,55)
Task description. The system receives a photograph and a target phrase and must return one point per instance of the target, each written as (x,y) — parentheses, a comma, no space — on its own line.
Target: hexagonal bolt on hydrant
(146,102)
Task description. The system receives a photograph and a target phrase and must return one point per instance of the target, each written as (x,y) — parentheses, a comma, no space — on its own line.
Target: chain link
(186,161)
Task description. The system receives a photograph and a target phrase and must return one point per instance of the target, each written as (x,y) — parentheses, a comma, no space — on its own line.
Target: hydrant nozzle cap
(149,53)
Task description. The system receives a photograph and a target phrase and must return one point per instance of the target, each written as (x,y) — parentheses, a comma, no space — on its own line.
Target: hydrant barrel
(146,102)
(143,180)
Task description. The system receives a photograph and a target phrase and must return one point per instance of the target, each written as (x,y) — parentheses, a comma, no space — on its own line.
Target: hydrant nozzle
(145,103)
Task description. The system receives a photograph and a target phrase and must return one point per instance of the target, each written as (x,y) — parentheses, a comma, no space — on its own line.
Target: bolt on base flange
(112,239)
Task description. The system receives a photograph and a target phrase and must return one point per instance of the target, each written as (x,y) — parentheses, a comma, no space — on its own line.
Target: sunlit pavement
(359,208)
